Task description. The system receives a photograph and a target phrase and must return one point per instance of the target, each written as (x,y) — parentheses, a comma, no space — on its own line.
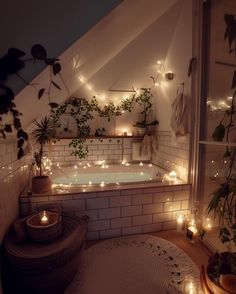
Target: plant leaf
(40,93)
(219,133)
(56,68)
(17,123)
(234,80)
(20,153)
(53,105)
(38,52)
(20,133)
(56,85)
(17,53)
(20,142)
(8,128)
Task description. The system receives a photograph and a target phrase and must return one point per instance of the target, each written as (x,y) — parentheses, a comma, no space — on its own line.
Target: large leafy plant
(223,201)
(44,133)
(11,64)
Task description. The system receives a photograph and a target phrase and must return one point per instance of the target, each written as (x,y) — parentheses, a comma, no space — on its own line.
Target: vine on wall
(83,112)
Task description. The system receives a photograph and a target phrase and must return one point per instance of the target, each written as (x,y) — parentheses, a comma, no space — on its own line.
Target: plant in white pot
(44,133)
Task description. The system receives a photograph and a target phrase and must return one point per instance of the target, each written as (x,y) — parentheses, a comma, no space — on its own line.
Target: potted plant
(144,99)
(221,270)
(44,134)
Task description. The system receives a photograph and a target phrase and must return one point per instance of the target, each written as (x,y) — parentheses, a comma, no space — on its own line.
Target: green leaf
(219,133)
(234,80)
(53,104)
(224,231)
(20,153)
(20,142)
(56,68)
(8,128)
(40,93)
(20,133)
(17,53)
(38,52)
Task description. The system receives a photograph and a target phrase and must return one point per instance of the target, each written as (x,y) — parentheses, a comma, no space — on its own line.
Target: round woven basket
(45,267)
(44,233)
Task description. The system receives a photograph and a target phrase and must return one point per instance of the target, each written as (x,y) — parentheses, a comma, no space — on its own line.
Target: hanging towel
(148,145)
(179,118)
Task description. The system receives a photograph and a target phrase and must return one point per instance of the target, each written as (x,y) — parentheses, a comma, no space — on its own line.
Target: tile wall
(119,212)
(112,150)
(13,179)
(172,154)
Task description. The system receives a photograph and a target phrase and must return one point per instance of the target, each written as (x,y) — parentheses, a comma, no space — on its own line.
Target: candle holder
(180,221)
(44,226)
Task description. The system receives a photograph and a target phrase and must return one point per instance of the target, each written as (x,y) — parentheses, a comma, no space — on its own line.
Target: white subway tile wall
(112,150)
(121,212)
(172,154)
(13,180)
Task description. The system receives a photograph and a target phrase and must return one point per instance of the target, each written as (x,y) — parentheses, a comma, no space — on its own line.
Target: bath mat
(140,264)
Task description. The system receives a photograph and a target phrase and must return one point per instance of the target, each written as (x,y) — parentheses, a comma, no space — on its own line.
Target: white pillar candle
(180,222)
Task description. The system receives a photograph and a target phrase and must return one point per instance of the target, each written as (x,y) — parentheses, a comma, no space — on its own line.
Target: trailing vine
(83,112)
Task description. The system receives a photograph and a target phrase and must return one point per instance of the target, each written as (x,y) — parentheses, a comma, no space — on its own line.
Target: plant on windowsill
(44,133)
(221,269)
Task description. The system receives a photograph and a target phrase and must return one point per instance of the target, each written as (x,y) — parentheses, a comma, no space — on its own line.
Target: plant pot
(227,284)
(41,184)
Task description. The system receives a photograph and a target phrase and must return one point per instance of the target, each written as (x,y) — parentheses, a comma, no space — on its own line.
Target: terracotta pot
(41,184)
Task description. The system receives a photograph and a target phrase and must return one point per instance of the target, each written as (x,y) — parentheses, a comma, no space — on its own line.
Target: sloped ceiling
(119,52)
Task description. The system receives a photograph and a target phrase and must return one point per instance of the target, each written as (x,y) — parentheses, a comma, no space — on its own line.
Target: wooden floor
(196,251)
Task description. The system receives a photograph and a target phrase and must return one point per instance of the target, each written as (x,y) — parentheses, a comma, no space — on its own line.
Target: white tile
(92,214)
(110,233)
(132,230)
(92,236)
(172,206)
(131,210)
(142,220)
(152,208)
(169,225)
(120,201)
(121,222)
(98,225)
(162,197)
(185,204)
(109,213)
(142,199)
(162,217)
(73,205)
(97,203)
(180,195)
(152,228)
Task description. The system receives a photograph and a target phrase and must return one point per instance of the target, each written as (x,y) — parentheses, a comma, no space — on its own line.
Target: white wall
(177,60)
(54,24)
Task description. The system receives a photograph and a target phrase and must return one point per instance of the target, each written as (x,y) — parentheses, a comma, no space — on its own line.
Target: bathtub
(119,199)
(102,175)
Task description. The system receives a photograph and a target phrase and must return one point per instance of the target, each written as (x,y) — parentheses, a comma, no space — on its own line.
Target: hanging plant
(11,64)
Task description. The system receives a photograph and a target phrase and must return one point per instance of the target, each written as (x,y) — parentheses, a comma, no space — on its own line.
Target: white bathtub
(104,174)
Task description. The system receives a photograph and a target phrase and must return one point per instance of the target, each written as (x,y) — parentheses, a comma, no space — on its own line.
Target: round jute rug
(140,264)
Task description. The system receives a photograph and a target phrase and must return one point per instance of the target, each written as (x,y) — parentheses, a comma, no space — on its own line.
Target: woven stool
(46,267)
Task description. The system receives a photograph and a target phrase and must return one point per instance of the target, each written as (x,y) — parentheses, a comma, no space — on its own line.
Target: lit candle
(44,219)
(190,286)
(173,175)
(141,164)
(102,184)
(180,222)
(192,233)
